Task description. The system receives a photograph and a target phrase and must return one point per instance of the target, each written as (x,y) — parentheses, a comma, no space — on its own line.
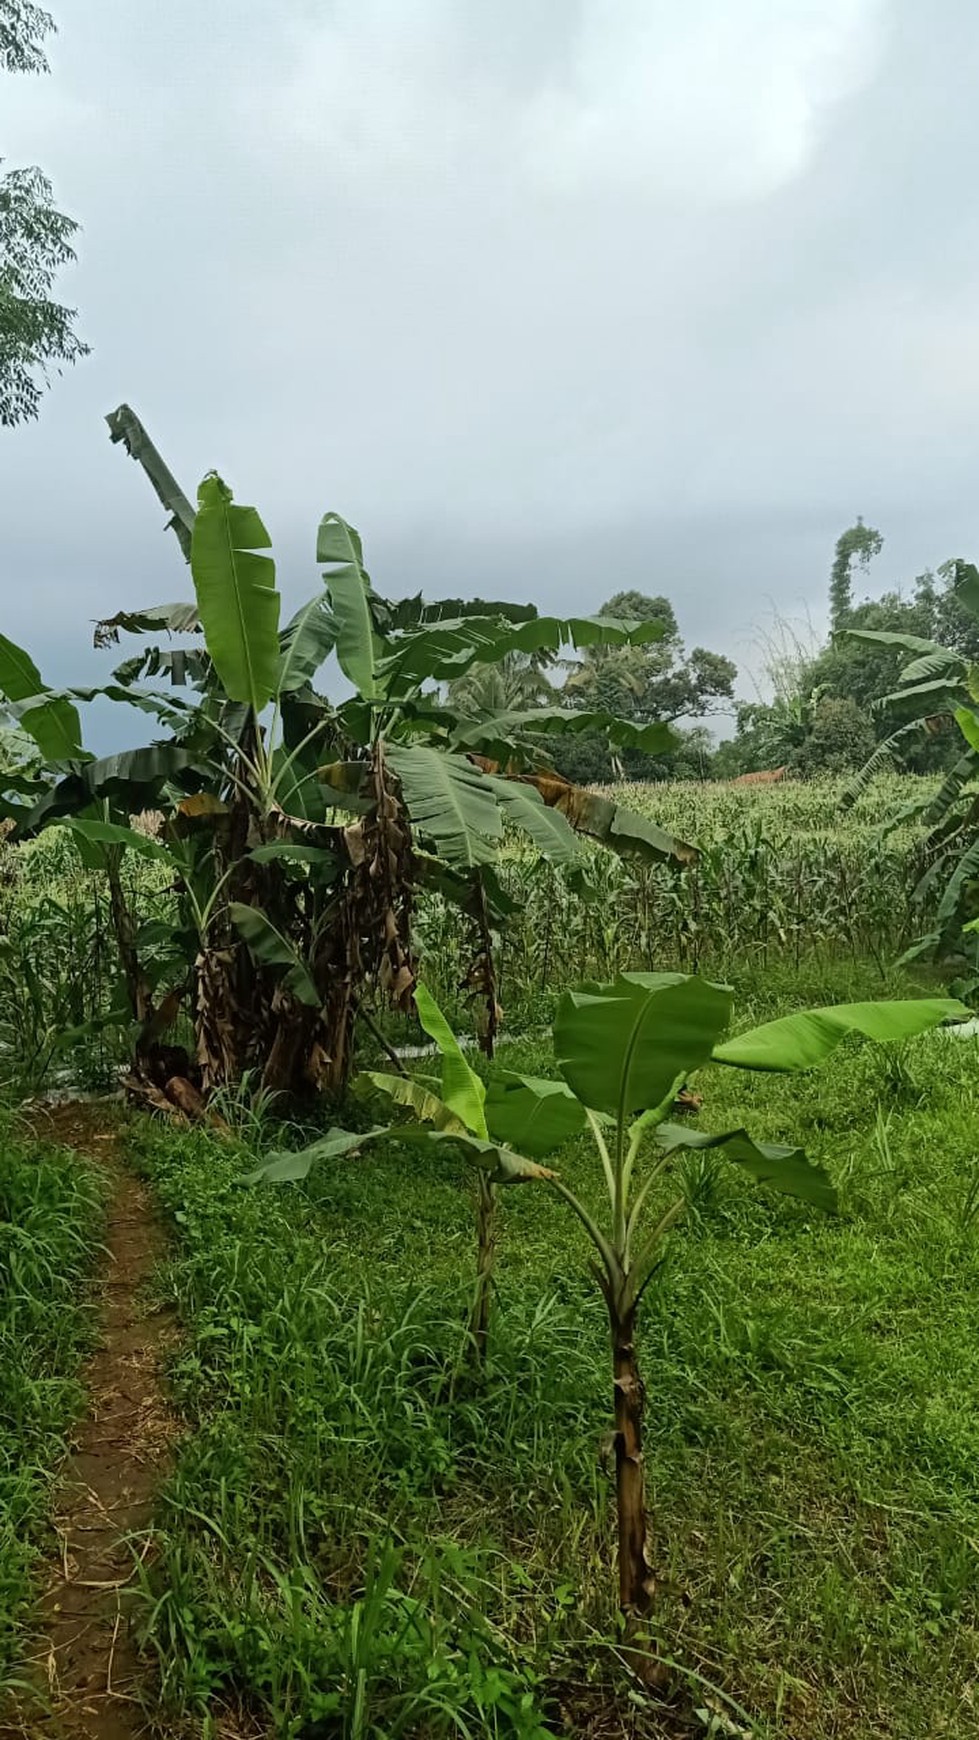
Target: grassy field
(350,1537)
(50,1215)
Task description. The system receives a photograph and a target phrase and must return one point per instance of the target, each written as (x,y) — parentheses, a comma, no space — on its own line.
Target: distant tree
(858,545)
(852,670)
(840,738)
(694,755)
(799,727)
(516,682)
(36,333)
(657,681)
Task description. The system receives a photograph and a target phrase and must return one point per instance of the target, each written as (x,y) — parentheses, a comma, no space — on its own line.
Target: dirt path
(88,1670)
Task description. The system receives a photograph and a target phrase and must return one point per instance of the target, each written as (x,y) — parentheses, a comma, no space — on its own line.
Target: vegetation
(827,714)
(344,1541)
(656,681)
(625,1052)
(391,1512)
(50,1213)
(784,877)
(938,685)
(297,833)
(36,334)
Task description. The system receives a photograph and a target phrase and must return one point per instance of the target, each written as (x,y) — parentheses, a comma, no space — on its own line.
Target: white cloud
(706,101)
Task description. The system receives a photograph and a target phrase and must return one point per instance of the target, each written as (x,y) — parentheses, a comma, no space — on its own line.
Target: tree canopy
(37,334)
(659,680)
(829,709)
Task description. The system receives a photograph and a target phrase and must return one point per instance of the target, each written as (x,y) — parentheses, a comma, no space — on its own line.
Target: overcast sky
(548,297)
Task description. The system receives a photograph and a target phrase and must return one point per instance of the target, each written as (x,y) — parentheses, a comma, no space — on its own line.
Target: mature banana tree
(938,687)
(299,830)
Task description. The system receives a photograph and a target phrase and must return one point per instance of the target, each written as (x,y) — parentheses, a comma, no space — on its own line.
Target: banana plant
(938,687)
(449,1109)
(624,1050)
(301,829)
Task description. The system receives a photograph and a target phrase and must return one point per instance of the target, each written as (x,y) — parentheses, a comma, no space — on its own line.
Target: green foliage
(342,1530)
(49,1226)
(52,721)
(859,544)
(802,1040)
(840,738)
(36,334)
(641,683)
(236,597)
(936,686)
(301,827)
(862,662)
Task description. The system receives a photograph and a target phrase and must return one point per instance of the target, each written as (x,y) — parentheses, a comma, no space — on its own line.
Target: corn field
(784,875)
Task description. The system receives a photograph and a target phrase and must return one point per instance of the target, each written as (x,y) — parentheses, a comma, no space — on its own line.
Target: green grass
(348,1537)
(50,1217)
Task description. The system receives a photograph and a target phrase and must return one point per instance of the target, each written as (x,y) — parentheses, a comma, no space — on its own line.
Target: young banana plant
(624,1050)
(449,1109)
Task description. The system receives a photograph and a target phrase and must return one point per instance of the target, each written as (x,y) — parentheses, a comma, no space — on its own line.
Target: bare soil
(89,1674)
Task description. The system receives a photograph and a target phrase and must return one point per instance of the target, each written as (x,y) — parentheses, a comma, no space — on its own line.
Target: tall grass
(50,1212)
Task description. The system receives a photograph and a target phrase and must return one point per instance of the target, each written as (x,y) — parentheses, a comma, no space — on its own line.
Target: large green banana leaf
(402,1090)
(463,1091)
(622,830)
(236,595)
(182,666)
(177,618)
(451,804)
(101,833)
(799,1041)
(449,649)
(912,643)
(967,586)
(51,720)
(286,1168)
(625,1047)
(271,948)
(785,1169)
(497,737)
(524,808)
(306,642)
(339,548)
(533,1114)
(502,1164)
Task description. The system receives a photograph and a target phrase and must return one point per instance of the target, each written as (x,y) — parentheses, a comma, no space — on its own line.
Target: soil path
(88,1668)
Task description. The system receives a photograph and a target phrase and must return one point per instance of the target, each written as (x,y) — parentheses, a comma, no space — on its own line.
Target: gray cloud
(548,297)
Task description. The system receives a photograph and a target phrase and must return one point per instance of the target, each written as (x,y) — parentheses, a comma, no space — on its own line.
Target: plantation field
(785,876)
(347,1536)
(362,1537)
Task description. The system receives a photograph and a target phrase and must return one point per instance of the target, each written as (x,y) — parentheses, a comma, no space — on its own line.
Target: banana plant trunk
(124,929)
(636,1585)
(485,1262)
